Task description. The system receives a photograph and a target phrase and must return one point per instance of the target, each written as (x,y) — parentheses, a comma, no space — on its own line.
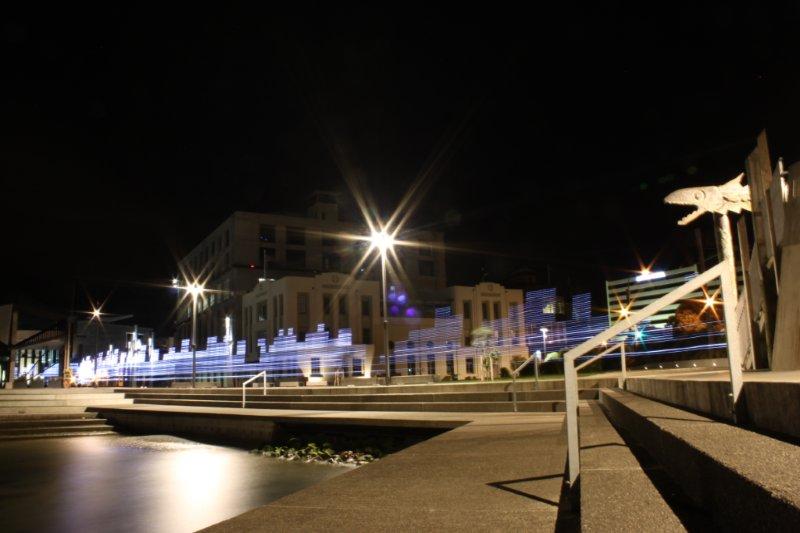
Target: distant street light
(383,241)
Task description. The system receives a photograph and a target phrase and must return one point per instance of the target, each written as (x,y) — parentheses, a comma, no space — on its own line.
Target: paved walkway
(493,472)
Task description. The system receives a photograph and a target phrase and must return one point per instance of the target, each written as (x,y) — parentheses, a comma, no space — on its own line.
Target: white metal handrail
(263,374)
(723,271)
(515,375)
(623,363)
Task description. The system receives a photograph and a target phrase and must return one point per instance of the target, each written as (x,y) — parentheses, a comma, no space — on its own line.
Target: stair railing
(515,374)
(262,374)
(726,273)
(623,365)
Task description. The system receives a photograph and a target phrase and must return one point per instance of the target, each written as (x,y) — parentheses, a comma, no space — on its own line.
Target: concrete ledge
(772,406)
(246,430)
(615,491)
(710,397)
(745,480)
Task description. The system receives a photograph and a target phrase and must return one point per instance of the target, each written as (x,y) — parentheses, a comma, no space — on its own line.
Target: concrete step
(54,390)
(29,422)
(744,480)
(82,415)
(58,396)
(103,400)
(57,434)
(483,407)
(49,429)
(460,387)
(552,395)
(711,397)
(621,488)
(42,410)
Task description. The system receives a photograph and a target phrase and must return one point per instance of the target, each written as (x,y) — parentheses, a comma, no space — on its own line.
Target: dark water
(142,483)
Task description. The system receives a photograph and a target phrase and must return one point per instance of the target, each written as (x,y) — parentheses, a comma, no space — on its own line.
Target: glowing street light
(95,314)
(195,289)
(383,242)
(544,351)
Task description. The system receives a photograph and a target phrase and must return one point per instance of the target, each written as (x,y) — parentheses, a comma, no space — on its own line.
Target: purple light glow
(411,312)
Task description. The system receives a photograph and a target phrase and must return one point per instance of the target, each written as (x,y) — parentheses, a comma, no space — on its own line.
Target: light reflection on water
(151,483)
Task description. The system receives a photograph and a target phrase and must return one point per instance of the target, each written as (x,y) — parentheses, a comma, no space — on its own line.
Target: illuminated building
(627,295)
(301,303)
(248,246)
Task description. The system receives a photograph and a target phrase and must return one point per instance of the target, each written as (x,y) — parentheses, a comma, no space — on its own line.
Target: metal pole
(571,392)
(385,318)
(729,298)
(11,356)
(194,337)
(536,369)
(514,389)
(624,366)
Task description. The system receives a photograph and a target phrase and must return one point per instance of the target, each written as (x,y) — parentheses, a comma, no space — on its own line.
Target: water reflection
(153,483)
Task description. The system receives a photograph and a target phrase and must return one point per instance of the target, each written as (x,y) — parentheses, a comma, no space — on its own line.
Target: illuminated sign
(647,276)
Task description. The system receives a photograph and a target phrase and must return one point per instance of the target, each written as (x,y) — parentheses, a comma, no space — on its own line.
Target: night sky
(546,138)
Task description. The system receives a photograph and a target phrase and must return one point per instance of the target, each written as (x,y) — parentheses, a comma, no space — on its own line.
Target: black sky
(548,136)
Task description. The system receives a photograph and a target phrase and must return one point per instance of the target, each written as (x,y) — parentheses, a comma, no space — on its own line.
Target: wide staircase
(651,466)
(546,396)
(39,413)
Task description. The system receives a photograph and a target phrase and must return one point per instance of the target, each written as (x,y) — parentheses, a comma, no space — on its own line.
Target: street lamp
(195,289)
(383,241)
(544,350)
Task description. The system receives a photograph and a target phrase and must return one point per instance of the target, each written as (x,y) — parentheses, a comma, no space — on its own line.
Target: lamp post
(383,241)
(544,350)
(195,289)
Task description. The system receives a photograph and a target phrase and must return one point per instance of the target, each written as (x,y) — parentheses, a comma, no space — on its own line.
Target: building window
(266,233)
(331,262)
(470,361)
(315,366)
(275,314)
(485,311)
(296,259)
(426,268)
(302,303)
(342,309)
(431,363)
(366,336)
(450,361)
(357,367)
(496,306)
(466,341)
(366,306)
(326,304)
(295,236)
(411,365)
(261,312)
(267,256)
(468,309)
